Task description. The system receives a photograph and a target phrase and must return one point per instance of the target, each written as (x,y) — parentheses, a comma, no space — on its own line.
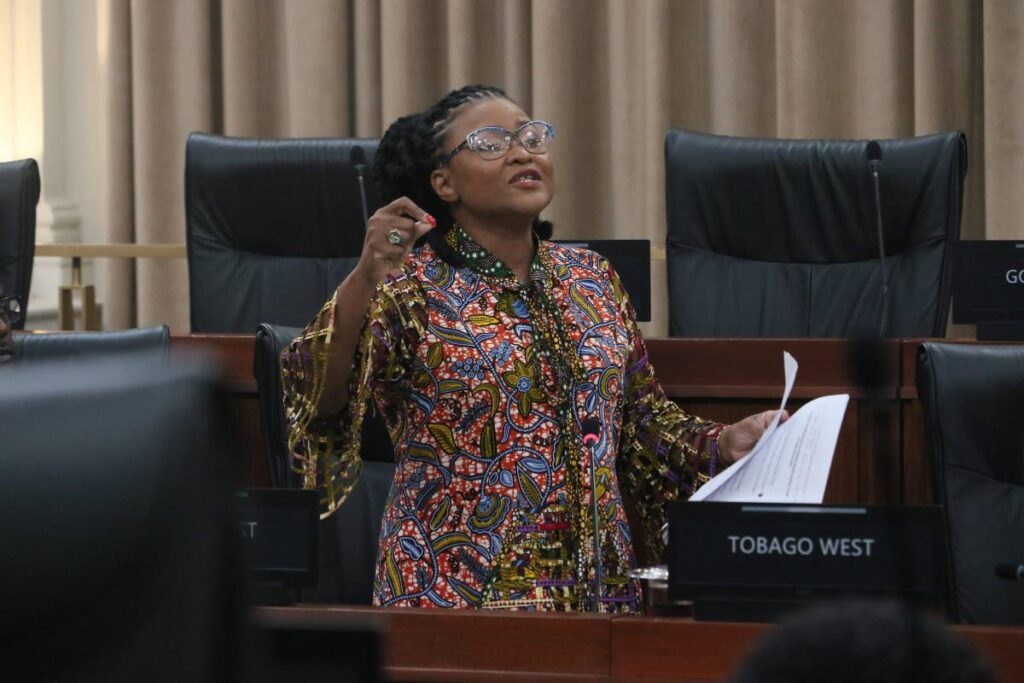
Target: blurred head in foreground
(862,642)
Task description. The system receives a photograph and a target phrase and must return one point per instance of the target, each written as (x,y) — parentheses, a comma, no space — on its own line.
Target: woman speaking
(493,355)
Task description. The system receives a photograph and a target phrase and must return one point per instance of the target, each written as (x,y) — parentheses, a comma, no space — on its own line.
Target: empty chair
(778,238)
(348,538)
(973,399)
(270,341)
(19,194)
(272,227)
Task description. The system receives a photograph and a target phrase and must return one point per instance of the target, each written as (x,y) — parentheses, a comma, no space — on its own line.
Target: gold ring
(395,236)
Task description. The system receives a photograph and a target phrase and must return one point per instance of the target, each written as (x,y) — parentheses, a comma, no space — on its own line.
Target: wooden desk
(880,458)
(460,646)
(235,353)
(722,379)
(465,646)
(683,651)
(727,379)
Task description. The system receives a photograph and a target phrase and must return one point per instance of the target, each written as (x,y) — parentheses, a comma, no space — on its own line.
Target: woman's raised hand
(390,235)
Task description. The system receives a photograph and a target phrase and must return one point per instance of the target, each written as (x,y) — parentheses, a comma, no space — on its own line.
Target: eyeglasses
(10,308)
(494,142)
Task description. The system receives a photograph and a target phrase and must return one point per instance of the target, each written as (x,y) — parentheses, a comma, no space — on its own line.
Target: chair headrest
(810,201)
(290,197)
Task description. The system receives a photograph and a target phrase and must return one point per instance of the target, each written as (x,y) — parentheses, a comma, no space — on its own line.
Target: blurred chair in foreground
(861,642)
(19,194)
(778,238)
(77,347)
(973,400)
(349,537)
(120,557)
(272,227)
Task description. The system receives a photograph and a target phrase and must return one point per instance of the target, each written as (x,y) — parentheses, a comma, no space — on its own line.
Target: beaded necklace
(552,341)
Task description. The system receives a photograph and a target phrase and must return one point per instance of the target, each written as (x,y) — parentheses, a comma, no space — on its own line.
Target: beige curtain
(611,74)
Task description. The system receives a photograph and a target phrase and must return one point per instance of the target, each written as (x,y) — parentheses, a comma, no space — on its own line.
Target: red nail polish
(430,219)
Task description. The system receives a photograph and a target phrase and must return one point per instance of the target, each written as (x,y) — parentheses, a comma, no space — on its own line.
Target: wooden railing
(76,252)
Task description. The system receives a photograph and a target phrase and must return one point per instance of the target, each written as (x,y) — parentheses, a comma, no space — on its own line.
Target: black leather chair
(973,399)
(19,194)
(348,538)
(271,340)
(77,347)
(272,227)
(778,238)
(120,552)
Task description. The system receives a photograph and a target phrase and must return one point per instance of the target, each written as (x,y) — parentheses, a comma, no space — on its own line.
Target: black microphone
(591,431)
(874,152)
(874,155)
(1010,572)
(357,157)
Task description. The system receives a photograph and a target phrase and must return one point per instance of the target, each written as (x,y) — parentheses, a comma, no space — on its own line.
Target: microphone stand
(362,194)
(357,157)
(881,241)
(590,439)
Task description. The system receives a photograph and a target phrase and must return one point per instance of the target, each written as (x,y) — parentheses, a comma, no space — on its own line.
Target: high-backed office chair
(120,551)
(19,194)
(778,238)
(973,399)
(348,538)
(272,227)
(78,347)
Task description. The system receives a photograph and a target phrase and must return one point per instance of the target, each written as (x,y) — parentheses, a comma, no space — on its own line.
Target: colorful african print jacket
(484,384)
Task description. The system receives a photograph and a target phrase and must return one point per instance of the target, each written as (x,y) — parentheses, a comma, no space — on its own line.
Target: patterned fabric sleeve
(664,453)
(325,449)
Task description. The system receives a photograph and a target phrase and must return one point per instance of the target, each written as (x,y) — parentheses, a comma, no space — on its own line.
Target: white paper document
(791,461)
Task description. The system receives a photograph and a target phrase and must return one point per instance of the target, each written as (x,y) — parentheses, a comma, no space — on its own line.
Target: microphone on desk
(873,151)
(871,361)
(590,428)
(1010,571)
(357,157)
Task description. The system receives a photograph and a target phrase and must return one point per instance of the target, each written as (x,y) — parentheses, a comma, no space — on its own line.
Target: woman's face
(520,184)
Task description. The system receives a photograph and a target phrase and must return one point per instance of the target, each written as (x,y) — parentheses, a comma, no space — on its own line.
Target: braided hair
(412,148)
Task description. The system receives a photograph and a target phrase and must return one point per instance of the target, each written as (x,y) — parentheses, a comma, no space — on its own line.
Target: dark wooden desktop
(880,458)
(458,646)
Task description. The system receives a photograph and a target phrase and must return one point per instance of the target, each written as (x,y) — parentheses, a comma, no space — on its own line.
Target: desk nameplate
(749,556)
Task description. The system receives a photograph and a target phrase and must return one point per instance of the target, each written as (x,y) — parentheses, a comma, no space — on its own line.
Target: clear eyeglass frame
(494,142)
